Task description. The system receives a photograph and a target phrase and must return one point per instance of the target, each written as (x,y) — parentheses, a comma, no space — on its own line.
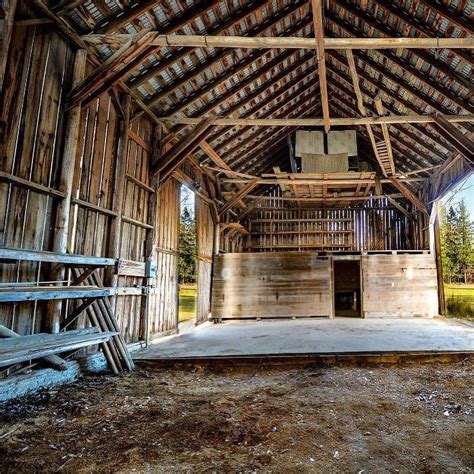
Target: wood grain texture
(399,286)
(269,285)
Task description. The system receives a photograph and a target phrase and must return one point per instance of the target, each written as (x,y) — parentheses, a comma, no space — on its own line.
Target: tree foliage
(457,250)
(187,247)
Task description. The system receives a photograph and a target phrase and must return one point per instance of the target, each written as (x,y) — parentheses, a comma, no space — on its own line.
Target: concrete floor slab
(311,336)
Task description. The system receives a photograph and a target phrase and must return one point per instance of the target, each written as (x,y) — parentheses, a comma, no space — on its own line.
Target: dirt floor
(341,419)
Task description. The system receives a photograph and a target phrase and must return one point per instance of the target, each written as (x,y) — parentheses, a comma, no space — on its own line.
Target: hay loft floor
(414,419)
(315,336)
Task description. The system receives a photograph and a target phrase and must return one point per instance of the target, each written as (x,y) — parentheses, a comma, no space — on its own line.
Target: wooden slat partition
(399,285)
(378,225)
(205,240)
(271,285)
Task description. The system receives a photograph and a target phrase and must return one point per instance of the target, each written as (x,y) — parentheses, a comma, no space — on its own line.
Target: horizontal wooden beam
(198,41)
(316,181)
(319,121)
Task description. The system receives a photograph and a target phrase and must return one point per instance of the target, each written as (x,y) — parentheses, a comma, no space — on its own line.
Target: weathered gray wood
(399,285)
(24,348)
(53,360)
(14,255)
(16,294)
(268,285)
(66,183)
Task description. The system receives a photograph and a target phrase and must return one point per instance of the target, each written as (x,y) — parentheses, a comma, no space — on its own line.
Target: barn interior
(317,136)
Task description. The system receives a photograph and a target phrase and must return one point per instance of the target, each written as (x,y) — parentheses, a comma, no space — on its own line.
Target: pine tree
(187,248)
(465,229)
(457,242)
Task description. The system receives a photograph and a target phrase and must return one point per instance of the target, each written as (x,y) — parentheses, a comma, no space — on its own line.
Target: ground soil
(340,419)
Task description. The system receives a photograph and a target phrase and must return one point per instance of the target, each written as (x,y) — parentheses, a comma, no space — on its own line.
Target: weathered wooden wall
(40,65)
(376,226)
(268,285)
(399,285)
(38,76)
(205,246)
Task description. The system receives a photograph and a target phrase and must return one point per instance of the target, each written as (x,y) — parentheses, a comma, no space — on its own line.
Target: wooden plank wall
(38,76)
(135,228)
(165,297)
(269,285)
(399,285)
(376,226)
(205,246)
(38,79)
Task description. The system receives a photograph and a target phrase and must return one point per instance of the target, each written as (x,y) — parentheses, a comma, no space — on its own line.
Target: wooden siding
(269,285)
(37,78)
(399,285)
(205,246)
(164,314)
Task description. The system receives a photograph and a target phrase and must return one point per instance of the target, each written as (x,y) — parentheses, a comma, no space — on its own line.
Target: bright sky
(464,190)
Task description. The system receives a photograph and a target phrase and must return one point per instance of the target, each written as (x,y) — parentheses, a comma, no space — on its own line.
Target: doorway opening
(187,252)
(347,288)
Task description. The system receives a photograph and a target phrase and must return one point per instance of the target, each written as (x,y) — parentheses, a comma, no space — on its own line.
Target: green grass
(187,302)
(460,300)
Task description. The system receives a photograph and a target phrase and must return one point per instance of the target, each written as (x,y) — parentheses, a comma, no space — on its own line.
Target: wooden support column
(435,247)
(61,227)
(111,276)
(151,249)
(319,35)
(7,18)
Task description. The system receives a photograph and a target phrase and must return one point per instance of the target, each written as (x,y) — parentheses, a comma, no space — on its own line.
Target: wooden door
(205,245)
(165,302)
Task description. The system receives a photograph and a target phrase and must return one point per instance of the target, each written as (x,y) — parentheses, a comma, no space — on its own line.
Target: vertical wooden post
(151,241)
(61,227)
(6,27)
(435,247)
(111,275)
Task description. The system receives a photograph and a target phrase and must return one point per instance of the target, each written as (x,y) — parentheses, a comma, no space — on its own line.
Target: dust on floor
(340,419)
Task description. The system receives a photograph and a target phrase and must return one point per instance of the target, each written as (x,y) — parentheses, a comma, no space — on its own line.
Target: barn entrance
(347,288)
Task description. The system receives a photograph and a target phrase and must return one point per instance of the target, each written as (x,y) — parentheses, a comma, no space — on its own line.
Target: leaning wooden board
(399,286)
(271,285)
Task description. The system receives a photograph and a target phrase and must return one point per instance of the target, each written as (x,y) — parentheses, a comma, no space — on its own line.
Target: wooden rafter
(391,56)
(319,35)
(172,159)
(362,109)
(379,86)
(463,144)
(238,196)
(409,194)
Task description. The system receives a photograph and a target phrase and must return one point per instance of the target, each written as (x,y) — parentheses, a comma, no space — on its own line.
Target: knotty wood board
(269,285)
(399,286)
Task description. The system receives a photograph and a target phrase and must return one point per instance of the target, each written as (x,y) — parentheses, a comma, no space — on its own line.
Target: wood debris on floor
(412,418)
